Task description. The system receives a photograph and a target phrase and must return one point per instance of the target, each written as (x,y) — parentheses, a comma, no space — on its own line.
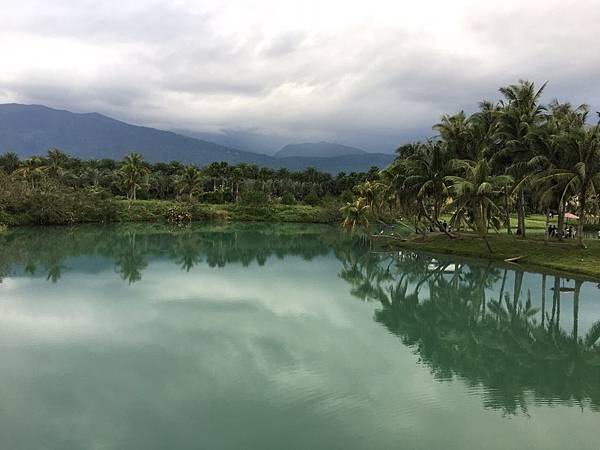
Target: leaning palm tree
(476,196)
(134,173)
(356,213)
(580,175)
(190,181)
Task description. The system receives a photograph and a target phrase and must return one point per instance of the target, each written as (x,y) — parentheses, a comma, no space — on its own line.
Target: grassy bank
(158,211)
(556,255)
(109,211)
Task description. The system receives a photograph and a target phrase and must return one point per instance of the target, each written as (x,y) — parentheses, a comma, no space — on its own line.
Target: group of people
(568,232)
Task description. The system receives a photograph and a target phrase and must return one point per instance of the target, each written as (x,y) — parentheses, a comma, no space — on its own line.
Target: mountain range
(33,130)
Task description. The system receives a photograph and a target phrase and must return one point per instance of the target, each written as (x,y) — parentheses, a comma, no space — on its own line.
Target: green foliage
(288,198)
(42,179)
(217,197)
(347,196)
(254,198)
(312,198)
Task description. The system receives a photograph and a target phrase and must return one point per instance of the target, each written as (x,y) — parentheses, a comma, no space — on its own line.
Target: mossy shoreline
(534,252)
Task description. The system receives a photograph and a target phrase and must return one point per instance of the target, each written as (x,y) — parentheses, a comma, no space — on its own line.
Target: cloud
(373,75)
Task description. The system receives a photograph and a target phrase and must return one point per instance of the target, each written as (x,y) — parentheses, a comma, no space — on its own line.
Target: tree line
(38,184)
(516,156)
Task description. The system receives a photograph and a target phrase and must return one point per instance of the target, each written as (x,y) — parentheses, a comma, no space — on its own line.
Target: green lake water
(248,336)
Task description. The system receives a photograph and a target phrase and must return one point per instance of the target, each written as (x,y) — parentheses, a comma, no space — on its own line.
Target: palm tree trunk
(576,309)
(561,219)
(517,287)
(543,299)
(547,231)
(500,295)
(483,224)
(555,298)
(582,202)
(521,213)
(507,211)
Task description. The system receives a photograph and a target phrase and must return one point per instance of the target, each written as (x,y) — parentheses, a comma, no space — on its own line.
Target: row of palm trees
(135,178)
(514,156)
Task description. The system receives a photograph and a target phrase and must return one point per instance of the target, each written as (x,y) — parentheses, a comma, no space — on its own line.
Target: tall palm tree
(356,213)
(562,120)
(427,175)
(56,163)
(520,117)
(190,181)
(456,131)
(31,169)
(134,173)
(476,196)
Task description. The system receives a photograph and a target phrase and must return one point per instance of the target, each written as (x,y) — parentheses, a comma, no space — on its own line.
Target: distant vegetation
(515,156)
(60,189)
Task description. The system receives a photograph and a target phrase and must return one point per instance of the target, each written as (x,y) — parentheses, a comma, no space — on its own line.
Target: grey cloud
(178,65)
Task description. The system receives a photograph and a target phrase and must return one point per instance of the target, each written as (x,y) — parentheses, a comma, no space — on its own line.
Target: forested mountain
(32,130)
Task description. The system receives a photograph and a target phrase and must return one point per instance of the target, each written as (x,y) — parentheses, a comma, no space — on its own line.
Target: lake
(250,336)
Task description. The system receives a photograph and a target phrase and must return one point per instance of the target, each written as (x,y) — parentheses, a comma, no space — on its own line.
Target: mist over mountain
(318,150)
(250,141)
(33,130)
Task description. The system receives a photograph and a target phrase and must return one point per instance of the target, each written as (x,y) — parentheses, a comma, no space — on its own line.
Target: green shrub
(288,198)
(217,198)
(312,199)
(346,197)
(254,198)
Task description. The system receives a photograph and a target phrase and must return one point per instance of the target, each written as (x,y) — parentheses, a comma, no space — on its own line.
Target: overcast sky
(369,73)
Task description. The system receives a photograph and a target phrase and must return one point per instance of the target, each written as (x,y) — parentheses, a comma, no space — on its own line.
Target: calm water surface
(250,336)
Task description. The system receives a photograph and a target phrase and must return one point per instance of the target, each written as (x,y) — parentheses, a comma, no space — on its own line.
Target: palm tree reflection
(494,343)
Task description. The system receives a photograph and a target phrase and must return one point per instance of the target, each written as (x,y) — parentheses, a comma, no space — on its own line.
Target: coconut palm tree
(190,181)
(31,169)
(456,132)
(134,173)
(427,172)
(580,175)
(56,163)
(476,195)
(356,213)
(519,131)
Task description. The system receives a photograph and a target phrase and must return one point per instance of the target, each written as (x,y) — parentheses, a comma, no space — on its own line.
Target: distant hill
(33,130)
(318,150)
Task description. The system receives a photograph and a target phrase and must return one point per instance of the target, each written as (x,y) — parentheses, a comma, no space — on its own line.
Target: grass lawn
(535,223)
(556,255)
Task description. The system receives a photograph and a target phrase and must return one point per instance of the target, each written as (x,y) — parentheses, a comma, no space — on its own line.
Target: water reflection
(467,321)
(131,247)
(524,338)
